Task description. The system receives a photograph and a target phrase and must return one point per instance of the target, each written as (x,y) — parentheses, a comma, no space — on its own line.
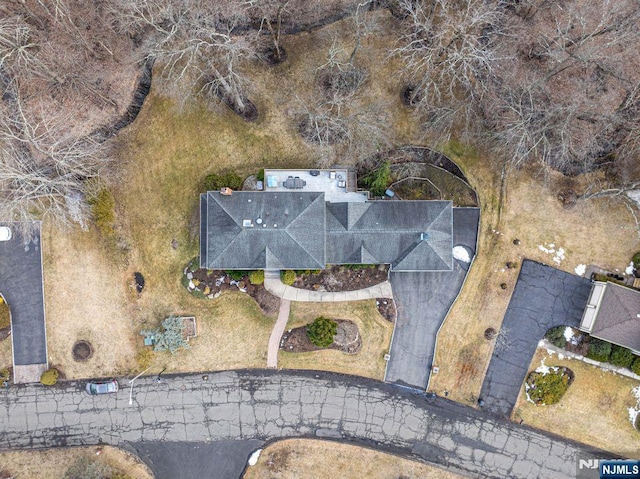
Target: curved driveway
(269,405)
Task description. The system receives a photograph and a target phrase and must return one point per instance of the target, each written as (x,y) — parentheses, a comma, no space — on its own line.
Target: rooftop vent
(424,236)
(247,223)
(259,221)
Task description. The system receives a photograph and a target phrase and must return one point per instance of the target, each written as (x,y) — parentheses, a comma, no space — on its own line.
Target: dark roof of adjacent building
(409,235)
(299,230)
(617,320)
(259,230)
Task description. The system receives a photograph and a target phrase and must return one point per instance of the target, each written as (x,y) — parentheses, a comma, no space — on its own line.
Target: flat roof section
(333,183)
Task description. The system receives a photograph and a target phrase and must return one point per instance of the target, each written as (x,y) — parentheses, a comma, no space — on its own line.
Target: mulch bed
(339,278)
(347,339)
(82,351)
(212,283)
(386,308)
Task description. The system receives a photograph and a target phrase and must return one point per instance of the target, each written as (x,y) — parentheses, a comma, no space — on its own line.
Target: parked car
(102,387)
(5,233)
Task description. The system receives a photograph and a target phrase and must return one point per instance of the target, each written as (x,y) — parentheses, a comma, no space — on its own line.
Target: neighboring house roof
(409,235)
(616,319)
(299,230)
(257,230)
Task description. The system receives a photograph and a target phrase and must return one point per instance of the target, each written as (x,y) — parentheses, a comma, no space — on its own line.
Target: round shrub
(256,277)
(288,276)
(599,350)
(322,331)
(636,260)
(620,356)
(260,175)
(49,377)
(4,374)
(556,336)
(545,389)
(635,366)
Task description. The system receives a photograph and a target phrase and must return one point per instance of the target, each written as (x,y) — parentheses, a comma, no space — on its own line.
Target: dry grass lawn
(374,330)
(165,155)
(311,459)
(592,411)
(53,463)
(6,359)
(598,231)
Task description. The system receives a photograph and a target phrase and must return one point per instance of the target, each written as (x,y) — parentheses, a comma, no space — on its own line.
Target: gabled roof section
(410,235)
(617,319)
(263,230)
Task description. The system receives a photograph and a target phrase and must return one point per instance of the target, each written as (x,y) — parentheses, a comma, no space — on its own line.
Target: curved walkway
(276,334)
(268,405)
(276,287)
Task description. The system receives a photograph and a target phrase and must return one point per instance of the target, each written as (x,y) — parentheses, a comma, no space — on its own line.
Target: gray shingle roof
(410,235)
(617,320)
(287,230)
(298,230)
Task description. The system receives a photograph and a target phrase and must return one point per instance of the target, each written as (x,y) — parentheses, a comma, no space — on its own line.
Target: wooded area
(554,83)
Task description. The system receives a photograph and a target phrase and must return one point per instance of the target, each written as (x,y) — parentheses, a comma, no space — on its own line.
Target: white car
(5,233)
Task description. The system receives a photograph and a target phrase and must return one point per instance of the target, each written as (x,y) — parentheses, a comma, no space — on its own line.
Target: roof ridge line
(286,229)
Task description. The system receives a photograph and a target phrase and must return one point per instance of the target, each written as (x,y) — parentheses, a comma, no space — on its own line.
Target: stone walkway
(276,334)
(276,287)
(268,405)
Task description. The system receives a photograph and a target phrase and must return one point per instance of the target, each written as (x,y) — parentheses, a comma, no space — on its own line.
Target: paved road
(266,405)
(188,460)
(21,285)
(423,301)
(544,297)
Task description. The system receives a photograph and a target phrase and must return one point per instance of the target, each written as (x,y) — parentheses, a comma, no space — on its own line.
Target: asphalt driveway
(423,300)
(21,285)
(544,297)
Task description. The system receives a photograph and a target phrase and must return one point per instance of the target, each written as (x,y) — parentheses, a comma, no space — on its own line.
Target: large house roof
(299,230)
(256,230)
(617,319)
(409,235)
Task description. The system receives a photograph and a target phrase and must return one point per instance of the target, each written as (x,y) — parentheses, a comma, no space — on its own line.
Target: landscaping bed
(212,283)
(387,308)
(416,173)
(342,278)
(347,339)
(546,385)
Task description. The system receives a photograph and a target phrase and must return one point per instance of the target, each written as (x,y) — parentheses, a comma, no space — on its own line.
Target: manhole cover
(82,351)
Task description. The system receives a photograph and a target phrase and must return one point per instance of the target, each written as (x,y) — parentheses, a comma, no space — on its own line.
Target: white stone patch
(630,269)
(461,254)
(253,458)
(634,195)
(550,248)
(580,269)
(634,411)
(568,333)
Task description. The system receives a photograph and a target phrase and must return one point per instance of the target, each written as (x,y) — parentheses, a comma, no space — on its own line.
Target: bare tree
(448,48)
(45,171)
(194,42)
(569,98)
(271,15)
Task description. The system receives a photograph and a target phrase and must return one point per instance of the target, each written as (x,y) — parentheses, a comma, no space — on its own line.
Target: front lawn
(594,410)
(375,333)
